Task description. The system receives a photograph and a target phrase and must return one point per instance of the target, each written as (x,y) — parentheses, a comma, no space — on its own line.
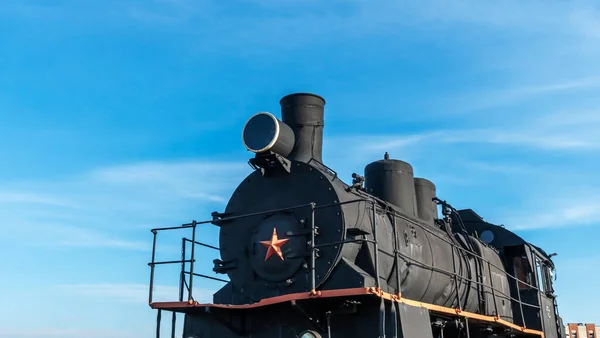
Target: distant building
(580,330)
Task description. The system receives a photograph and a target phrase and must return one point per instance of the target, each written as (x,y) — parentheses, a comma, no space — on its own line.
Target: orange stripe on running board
(345,293)
(267,301)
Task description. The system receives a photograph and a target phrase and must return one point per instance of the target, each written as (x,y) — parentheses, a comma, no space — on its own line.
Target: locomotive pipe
(304,113)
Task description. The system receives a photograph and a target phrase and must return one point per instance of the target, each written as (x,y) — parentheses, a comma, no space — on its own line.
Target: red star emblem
(274,245)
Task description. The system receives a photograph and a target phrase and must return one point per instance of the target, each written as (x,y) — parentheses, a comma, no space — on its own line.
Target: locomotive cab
(530,272)
(534,288)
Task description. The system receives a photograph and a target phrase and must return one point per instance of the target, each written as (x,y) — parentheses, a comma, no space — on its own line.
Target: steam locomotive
(308,255)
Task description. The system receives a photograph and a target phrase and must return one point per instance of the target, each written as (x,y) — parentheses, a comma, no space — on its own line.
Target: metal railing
(456,275)
(374,206)
(183,283)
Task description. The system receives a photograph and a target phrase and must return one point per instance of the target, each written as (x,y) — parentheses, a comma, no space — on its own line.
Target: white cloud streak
(97,209)
(131,292)
(570,211)
(71,236)
(27,198)
(480,101)
(53,332)
(200,180)
(577,18)
(569,129)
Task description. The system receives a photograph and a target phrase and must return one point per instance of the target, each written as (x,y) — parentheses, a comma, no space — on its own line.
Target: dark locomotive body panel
(302,249)
(420,245)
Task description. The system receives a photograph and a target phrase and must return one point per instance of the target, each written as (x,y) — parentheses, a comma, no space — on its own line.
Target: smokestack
(304,114)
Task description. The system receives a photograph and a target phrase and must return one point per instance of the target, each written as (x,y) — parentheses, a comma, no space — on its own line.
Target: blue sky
(118,116)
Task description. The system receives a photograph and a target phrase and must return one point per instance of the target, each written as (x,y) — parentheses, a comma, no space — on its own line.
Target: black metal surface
(386,236)
(548,317)
(313,252)
(424,193)
(414,321)
(158,320)
(330,318)
(392,181)
(304,114)
(239,238)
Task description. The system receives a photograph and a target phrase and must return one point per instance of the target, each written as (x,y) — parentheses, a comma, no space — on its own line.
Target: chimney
(304,114)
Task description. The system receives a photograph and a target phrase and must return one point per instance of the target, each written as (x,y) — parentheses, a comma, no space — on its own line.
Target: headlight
(264,132)
(310,334)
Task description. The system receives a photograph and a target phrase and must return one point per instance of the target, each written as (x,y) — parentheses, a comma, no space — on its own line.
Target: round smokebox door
(276,252)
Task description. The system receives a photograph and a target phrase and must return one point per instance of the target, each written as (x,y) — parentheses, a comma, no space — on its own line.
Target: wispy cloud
(202,180)
(136,293)
(557,213)
(380,143)
(499,167)
(557,131)
(72,236)
(533,138)
(110,200)
(339,16)
(558,87)
(478,101)
(28,198)
(62,333)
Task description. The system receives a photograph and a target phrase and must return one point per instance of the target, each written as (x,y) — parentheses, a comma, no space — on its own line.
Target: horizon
(118,117)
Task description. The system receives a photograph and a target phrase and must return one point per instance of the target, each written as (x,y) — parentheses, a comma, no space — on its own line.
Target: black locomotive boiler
(307,255)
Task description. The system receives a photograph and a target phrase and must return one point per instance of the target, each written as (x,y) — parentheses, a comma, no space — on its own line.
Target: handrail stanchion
(377,281)
(492,287)
(152,267)
(376,245)
(396,262)
(158,319)
(520,302)
(192,259)
(455,275)
(182,277)
(313,282)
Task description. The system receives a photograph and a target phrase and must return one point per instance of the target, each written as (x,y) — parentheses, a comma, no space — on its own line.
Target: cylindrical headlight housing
(264,132)
(309,334)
